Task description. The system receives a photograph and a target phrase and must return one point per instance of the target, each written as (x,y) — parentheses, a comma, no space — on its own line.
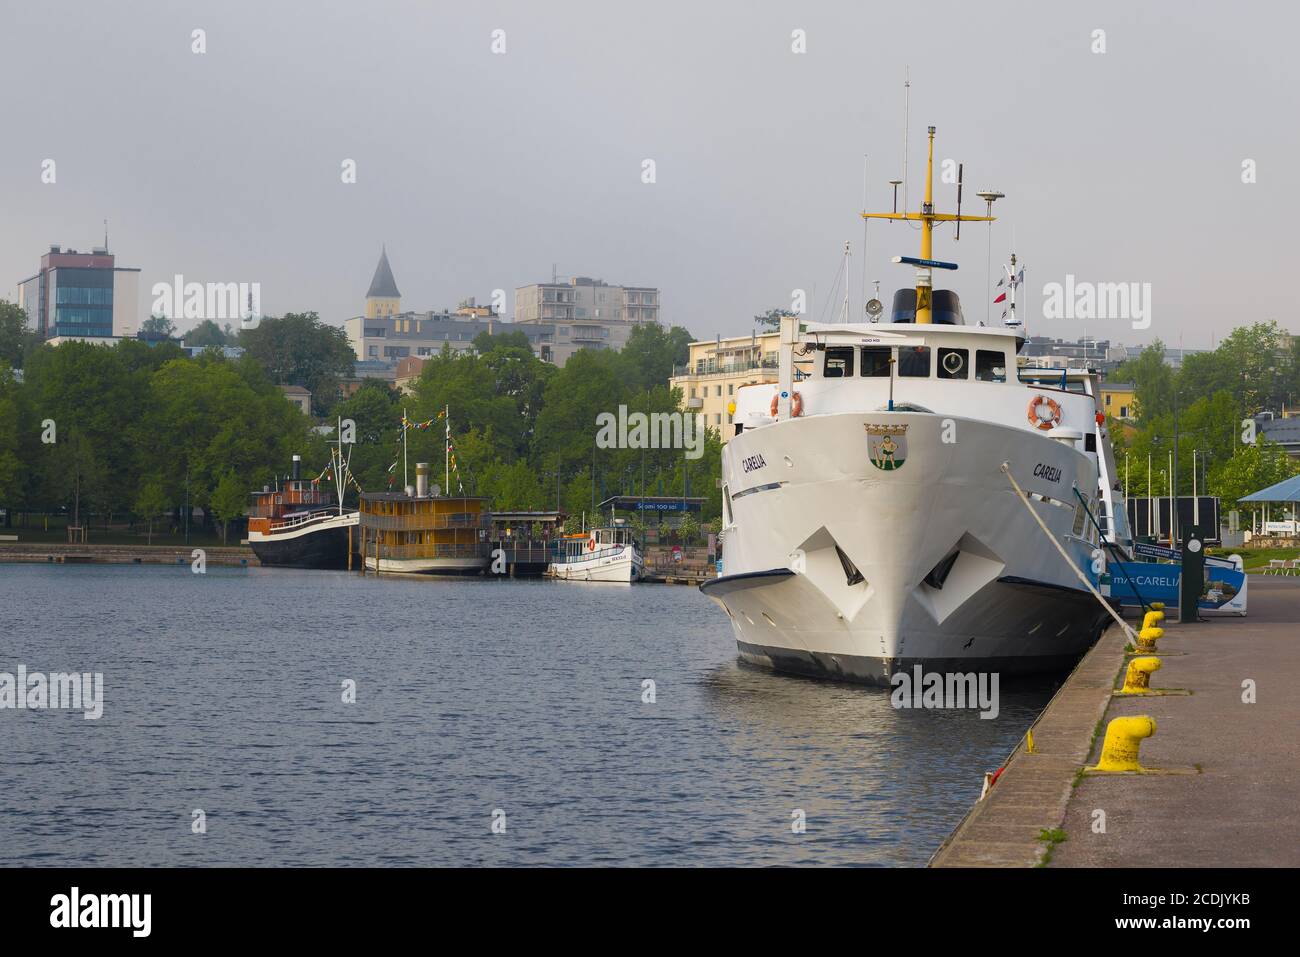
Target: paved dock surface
(1234,799)
(94,553)
(1243,808)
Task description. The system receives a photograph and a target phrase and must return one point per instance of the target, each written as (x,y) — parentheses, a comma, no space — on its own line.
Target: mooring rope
(1006,469)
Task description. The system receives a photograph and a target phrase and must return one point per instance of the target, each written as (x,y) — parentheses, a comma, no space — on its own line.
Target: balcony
(711,367)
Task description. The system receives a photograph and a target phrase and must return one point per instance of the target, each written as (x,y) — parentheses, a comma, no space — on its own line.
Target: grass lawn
(1258,558)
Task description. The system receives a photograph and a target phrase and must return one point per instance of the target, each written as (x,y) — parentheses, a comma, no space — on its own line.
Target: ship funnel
(422,479)
(297,468)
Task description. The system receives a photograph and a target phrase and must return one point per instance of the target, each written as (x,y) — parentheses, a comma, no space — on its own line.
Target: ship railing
(298,521)
(424,522)
(604,551)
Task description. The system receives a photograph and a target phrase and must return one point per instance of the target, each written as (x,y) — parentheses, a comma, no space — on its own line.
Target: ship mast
(927,217)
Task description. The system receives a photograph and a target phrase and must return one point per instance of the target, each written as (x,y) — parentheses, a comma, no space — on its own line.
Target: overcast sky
(480,170)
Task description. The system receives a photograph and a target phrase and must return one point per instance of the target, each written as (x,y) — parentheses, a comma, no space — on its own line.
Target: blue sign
(1224,591)
(1156,551)
(661,506)
(931,263)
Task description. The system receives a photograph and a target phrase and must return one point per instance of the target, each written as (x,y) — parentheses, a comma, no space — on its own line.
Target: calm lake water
(223,693)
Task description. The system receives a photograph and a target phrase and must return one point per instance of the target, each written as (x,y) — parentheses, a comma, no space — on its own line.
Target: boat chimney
(422,479)
(296,474)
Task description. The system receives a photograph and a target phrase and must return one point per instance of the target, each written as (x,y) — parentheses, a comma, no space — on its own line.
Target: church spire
(383,285)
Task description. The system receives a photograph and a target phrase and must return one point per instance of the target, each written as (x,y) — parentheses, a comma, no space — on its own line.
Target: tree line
(1255,369)
(141,429)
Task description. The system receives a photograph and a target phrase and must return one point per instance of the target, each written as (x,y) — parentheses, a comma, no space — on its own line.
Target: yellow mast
(927,217)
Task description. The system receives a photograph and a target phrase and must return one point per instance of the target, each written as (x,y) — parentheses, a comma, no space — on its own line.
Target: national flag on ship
(1000,298)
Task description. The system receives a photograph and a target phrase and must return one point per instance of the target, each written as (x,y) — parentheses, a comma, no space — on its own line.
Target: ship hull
(625,567)
(428,566)
(837,567)
(323,545)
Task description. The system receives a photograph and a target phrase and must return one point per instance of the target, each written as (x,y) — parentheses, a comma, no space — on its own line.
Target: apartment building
(718,367)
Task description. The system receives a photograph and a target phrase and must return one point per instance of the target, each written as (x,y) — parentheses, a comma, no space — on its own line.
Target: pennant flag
(1000,298)
(1020,277)
(1000,282)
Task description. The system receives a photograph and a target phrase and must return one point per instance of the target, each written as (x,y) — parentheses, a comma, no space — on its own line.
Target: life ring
(1036,418)
(796,404)
(591,544)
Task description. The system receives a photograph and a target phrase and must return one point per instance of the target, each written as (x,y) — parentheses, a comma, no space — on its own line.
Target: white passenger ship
(870,520)
(600,555)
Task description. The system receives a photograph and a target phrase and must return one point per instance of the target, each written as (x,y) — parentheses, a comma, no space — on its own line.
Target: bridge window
(990,366)
(839,363)
(914,362)
(875,362)
(954,364)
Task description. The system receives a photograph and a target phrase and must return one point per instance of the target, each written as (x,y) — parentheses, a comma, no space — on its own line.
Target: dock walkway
(92,553)
(1233,796)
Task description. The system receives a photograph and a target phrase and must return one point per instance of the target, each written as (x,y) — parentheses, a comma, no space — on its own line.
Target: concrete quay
(1222,776)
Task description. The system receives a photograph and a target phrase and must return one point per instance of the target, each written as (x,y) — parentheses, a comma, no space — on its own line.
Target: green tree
(771,319)
(1152,379)
(228,501)
(158,326)
(652,355)
(299,349)
(151,503)
(1250,469)
(206,333)
(15,337)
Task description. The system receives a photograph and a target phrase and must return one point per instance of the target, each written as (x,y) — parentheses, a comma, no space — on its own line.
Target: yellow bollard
(1152,619)
(1148,637)
(1157,605)
(1138,678)
(1119,751)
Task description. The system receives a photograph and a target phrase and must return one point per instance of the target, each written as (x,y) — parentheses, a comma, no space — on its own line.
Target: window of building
(838,363)
(914,362)
(954,364)
(990,366)
(719,392)
(374,350)
(692,392)
(1123,412)
(875,362)
(731,389)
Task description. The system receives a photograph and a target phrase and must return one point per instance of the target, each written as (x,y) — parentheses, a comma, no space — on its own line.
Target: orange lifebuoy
(1036,418)
(591,544)
(796,404)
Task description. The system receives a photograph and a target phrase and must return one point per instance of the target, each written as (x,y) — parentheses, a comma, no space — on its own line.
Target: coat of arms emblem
(887,446)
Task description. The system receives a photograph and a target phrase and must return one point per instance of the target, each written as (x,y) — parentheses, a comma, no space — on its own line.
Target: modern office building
(82,296)
(585,313)
(718,367)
